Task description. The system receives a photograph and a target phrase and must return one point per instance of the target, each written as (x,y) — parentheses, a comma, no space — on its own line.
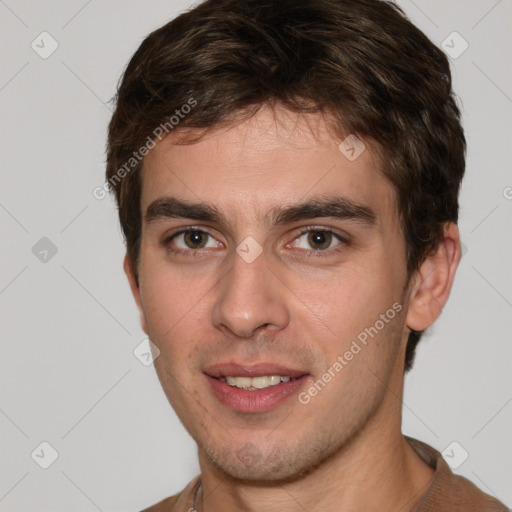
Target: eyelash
(197,253)
(316,253)
(189,253)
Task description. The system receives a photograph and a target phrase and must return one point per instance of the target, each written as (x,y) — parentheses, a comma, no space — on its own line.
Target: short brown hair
(361,61)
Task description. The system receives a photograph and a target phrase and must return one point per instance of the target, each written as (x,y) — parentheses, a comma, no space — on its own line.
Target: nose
(250,296)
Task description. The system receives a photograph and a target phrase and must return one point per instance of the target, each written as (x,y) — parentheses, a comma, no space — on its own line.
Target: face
(271,278)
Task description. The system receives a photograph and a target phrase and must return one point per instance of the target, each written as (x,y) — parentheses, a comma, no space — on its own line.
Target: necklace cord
(195,495)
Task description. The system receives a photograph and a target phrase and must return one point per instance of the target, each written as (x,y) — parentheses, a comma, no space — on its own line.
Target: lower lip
(259,400)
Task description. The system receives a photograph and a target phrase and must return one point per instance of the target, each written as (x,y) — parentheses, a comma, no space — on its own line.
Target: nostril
(259,327)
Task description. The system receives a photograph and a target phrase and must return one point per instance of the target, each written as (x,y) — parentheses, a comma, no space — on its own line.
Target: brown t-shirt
(447,492)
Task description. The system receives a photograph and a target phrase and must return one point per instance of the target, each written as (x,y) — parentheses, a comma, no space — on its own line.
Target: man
(287,175)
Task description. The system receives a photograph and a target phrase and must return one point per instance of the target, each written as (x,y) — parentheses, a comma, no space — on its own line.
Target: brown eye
(195,239)
(191,242)
(319,240)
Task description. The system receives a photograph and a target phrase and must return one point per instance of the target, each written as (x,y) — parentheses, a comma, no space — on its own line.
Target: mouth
(254,383)
(254,388)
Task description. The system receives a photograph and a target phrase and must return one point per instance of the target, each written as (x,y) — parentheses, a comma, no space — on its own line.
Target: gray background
(69,327)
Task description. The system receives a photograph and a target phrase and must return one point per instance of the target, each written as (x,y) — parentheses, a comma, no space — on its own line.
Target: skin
(295,304)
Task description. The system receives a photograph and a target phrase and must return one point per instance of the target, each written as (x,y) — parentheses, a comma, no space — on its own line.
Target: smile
(253,383)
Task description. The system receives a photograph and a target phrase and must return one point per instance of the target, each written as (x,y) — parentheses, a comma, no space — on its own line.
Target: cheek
(170,304)
(345,302)
(168,293)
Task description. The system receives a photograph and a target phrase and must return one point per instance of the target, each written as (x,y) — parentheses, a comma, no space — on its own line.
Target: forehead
(272,159)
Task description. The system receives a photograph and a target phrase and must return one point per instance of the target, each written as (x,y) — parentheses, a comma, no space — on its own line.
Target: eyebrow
(337,207)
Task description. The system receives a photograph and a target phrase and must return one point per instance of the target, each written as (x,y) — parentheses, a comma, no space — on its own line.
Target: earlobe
(433,281)
(135,288)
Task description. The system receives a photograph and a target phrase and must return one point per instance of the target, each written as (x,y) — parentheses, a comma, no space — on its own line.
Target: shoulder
(449,492)
(181,502)
(166,505)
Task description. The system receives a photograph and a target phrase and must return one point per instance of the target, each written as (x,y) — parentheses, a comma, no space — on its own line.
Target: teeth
(260,382)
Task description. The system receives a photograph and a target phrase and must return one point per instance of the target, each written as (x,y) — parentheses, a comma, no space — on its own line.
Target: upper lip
(233,369)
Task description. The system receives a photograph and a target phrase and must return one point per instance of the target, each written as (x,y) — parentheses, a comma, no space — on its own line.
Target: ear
(130,274)
(433,281)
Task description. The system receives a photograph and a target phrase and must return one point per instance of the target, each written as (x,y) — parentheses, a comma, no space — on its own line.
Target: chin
(268,465)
